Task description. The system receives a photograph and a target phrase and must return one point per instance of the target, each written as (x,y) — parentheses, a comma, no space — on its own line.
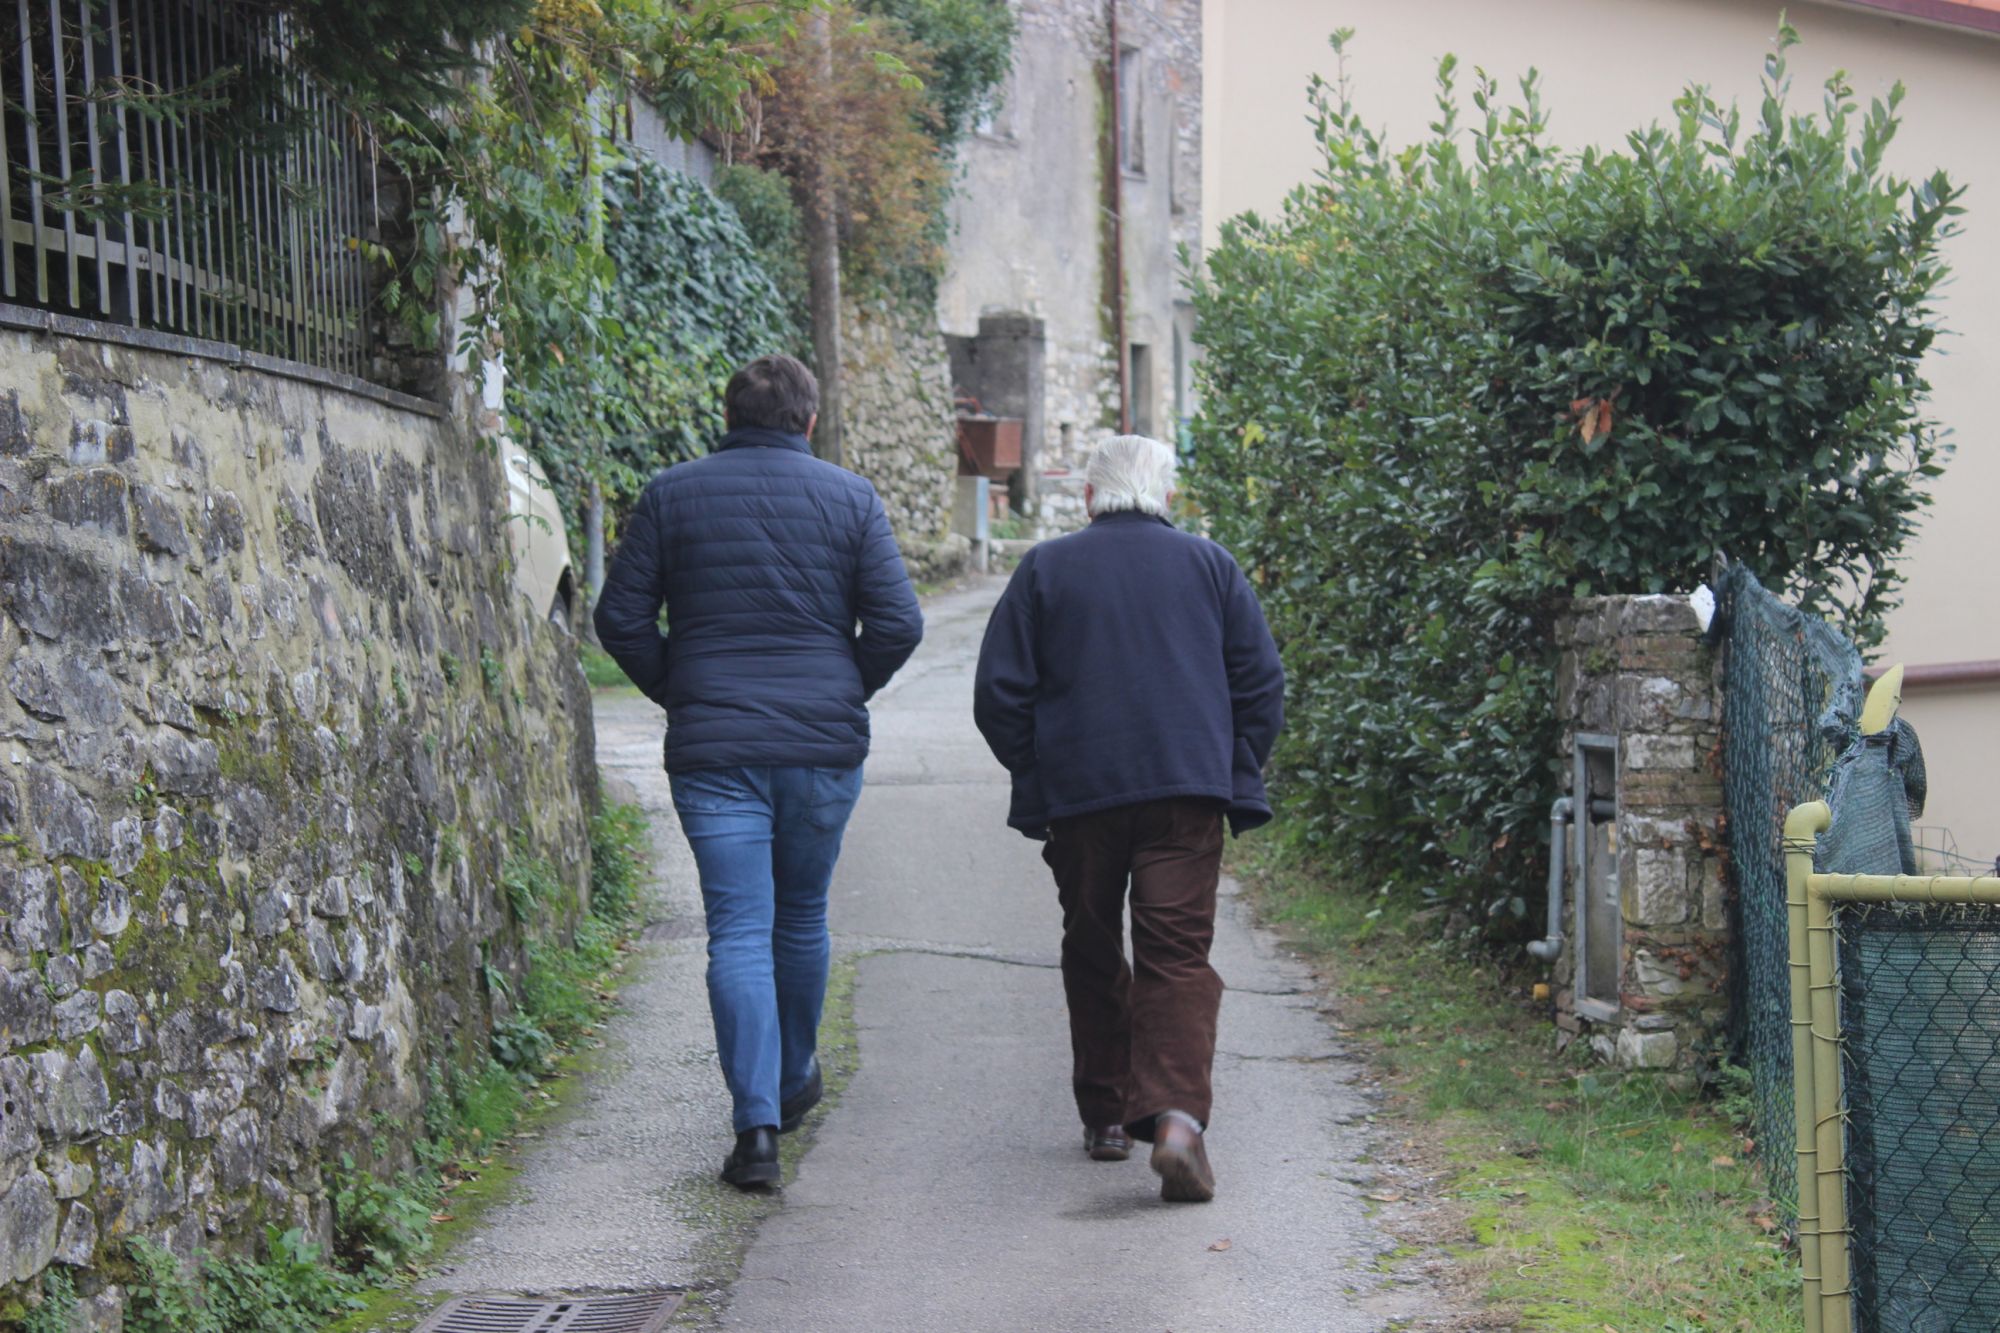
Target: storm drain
(626,1312)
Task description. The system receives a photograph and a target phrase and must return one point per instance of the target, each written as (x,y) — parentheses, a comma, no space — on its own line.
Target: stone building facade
(1061,202)
(273,722)
(1637,673)
(899,429)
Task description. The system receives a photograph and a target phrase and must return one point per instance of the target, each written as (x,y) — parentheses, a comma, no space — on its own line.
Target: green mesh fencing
(1792,695)
(1920,1019)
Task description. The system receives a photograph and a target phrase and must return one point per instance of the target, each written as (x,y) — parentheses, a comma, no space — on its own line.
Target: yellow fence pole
(1830,1148)
(1802,825)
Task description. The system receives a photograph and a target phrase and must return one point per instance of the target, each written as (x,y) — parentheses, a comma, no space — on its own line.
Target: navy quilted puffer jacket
(765,558)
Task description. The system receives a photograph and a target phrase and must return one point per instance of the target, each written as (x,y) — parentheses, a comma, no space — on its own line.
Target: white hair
(1130,472)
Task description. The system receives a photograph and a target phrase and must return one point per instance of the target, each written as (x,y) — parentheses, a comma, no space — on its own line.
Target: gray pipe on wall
(1549,947)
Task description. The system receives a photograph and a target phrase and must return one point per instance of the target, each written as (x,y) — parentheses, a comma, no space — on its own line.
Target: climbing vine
(686,302)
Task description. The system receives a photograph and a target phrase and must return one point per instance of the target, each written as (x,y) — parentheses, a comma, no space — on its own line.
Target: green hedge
(1449,387)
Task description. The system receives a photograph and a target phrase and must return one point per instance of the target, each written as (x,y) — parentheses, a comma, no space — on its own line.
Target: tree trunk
(823,269)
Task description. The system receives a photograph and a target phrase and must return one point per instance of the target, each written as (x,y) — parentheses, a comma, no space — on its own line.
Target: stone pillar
(1639,668)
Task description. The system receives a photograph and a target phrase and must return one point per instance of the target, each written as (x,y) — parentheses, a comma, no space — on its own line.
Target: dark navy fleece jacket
(765,558)
(1129,662)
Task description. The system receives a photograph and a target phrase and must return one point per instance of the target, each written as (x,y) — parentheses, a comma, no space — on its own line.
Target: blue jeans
(765,840)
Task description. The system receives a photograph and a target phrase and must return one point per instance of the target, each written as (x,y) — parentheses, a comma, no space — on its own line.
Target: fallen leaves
(1220,1245)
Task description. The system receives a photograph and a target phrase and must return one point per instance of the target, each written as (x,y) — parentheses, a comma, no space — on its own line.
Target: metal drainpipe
(1116,131)
(1549,947)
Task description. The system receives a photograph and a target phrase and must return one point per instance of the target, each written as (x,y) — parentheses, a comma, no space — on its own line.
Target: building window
(1131,111)
(1139,388)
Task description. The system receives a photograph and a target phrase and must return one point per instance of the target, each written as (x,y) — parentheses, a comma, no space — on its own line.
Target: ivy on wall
(687,302)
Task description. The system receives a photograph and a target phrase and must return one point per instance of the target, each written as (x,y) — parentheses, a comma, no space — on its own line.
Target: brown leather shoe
(1180,1160)
(1109,1144)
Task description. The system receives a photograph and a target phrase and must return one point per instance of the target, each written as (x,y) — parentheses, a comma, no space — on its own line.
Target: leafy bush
(688,303)
(763,203)
(1443,393)
(380,1225)
(290,1291)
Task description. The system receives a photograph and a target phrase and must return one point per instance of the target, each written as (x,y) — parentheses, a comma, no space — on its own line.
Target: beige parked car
(542,569)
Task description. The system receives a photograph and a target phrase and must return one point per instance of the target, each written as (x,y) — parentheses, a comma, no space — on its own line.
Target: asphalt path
(948,1189)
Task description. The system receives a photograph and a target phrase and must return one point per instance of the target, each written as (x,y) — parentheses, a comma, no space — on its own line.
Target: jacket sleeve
(892,625)
(1256,676)
(1004,691)
(628,609)
(1006,684)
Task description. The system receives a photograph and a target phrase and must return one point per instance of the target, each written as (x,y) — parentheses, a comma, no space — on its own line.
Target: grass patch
(599,669)
(1597,1200)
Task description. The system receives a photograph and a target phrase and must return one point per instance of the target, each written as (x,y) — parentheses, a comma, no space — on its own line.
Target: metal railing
(163,165)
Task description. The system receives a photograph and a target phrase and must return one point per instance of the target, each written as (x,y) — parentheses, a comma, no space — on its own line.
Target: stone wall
(900,429)
(272,720)
(1638,668)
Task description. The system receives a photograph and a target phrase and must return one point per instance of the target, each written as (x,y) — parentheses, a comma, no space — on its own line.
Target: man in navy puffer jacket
(765,558)
(1131,688)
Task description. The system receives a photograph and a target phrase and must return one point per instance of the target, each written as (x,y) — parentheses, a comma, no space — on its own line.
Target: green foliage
(380,1225)
(291,1290)
(489,667)
(688,303)
(530,884)
(763,203)
(969,46)
(617,862)
(58,1302)
(1443,393)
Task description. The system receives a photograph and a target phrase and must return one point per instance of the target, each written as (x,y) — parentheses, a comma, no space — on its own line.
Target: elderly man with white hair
(1130,686)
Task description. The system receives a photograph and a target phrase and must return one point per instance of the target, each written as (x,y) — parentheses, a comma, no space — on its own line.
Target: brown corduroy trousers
(1142,1036)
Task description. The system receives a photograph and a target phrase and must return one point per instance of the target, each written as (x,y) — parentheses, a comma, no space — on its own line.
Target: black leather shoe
(792,1113)
(1109,1144)
(754,1164)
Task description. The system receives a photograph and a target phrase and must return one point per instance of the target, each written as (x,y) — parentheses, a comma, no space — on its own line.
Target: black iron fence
(166,167)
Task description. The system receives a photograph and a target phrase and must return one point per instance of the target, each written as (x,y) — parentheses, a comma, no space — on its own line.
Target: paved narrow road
(948,1190)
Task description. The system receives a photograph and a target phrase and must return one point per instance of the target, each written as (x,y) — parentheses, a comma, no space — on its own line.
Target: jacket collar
(1131,516)
(761,437)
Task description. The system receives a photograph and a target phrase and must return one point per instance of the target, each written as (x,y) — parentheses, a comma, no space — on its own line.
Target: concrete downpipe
(1549,947)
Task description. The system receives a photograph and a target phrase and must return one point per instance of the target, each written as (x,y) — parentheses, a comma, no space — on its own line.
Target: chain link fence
(1920,1029)
(1792,696)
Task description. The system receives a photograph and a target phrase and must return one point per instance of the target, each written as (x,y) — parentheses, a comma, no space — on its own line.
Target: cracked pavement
(948,1190)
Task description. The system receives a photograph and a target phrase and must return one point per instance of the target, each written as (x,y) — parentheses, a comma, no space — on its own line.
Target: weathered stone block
(70,1178)
(57,592)
(33,915)
(71,1096)
(186,766)
(125,1024)
(113,910)
(27,1227)
(77,1015)
(77,1245)
(276,988)
(27,1015)
(61,821)
(93,498)
(1647,1050)
(1659,888)
(18,1136)
(159,527)
(15,441)
(1658,613)
(1659,752)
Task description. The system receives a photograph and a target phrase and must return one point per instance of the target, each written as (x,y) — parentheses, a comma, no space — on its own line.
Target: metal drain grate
(627,1312)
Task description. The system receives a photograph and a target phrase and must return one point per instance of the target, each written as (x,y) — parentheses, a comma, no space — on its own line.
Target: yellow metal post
(1802,826)
(1836,1299)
